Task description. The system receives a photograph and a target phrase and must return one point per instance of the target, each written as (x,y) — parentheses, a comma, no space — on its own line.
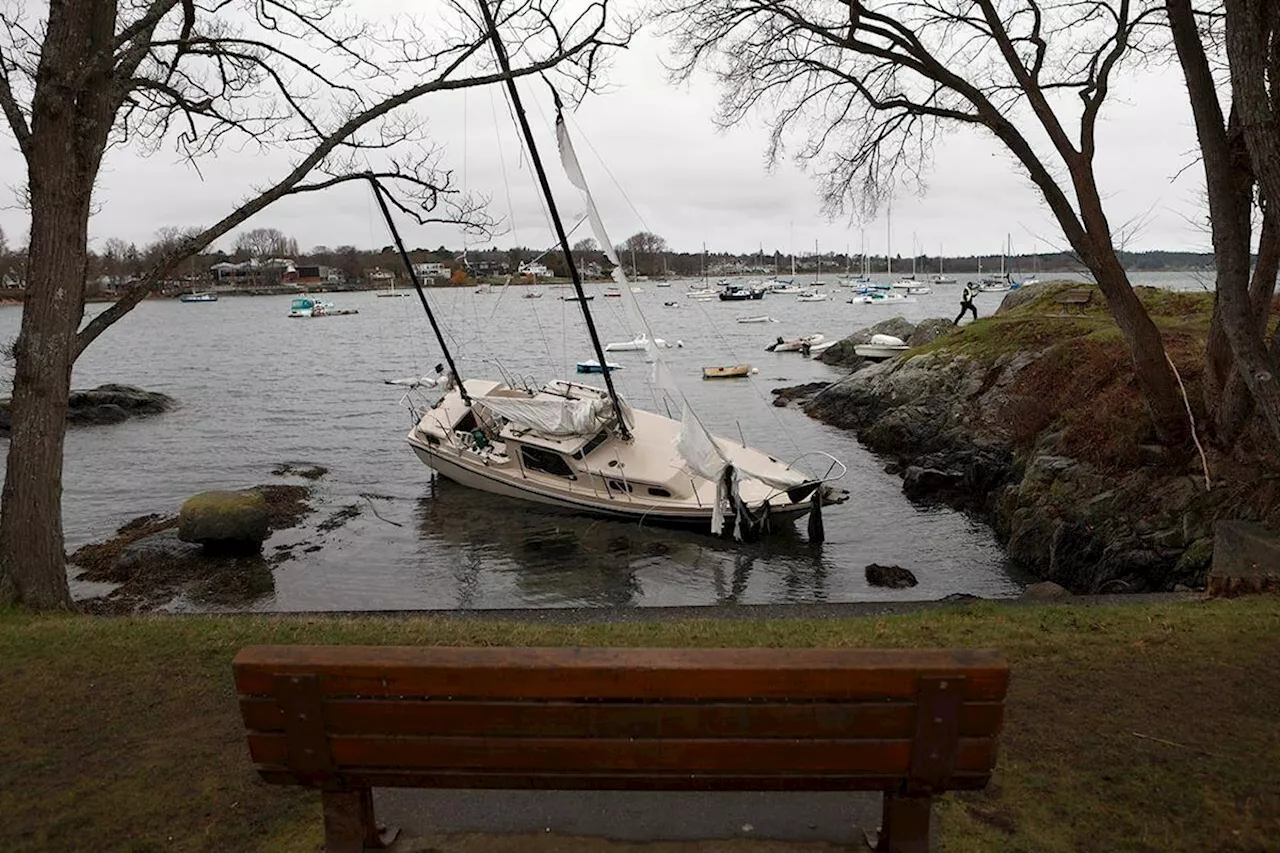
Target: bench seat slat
(621,719)
(740,755)
(668,674)
(359,777)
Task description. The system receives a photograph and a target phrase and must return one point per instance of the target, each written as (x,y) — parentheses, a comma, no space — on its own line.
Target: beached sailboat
(584,448)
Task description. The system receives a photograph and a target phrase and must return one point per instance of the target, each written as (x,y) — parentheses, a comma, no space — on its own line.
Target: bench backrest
(1077,297)
(662,719)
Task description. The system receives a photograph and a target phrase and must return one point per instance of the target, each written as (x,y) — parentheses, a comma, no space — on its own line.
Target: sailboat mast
(417,285)
(500,52)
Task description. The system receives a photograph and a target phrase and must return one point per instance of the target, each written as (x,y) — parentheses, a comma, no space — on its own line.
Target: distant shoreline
(6,299)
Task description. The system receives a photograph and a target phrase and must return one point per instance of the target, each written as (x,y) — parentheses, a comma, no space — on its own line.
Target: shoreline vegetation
(1105,745)
(1030,420)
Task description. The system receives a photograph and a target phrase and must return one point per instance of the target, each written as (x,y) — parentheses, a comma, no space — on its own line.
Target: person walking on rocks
(966,303)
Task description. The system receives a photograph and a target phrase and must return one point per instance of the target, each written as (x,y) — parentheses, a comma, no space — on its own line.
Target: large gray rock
(1044,591)
(106,404)
(894,577)
(1246,559)
(929,331)
(225,520)
(164,545)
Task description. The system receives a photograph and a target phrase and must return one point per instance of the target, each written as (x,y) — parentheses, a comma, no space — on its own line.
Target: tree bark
(70,120)
(1229,181)
(1236,403)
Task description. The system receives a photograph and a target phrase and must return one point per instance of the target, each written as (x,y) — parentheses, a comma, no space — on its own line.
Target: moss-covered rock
(225,520)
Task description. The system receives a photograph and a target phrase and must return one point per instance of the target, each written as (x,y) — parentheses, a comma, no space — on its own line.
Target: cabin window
(591,445)
(659,492)
(546,461)
(618,486)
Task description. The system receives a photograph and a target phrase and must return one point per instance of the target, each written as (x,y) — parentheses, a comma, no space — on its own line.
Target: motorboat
(533,294)
(794,345)
(307,307)
(586,298)
(734,371)
(812,297)
(881,347)
(593,366)
(739,293)
(879,298)
(198,297)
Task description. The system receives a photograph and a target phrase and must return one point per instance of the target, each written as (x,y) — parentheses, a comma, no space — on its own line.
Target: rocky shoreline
(966,420)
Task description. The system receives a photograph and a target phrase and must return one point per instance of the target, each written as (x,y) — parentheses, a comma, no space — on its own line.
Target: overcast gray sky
(687,181)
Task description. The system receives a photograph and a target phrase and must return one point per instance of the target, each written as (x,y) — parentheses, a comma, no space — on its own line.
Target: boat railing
(833,466)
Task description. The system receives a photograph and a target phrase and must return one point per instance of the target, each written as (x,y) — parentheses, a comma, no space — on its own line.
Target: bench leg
(904,824)
(349,825)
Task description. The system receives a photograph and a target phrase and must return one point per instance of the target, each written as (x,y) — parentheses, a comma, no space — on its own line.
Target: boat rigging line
(378,193)
(500,52)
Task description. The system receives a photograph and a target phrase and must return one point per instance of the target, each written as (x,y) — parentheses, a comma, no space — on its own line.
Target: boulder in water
(894,577)
(106,404)
(225,521)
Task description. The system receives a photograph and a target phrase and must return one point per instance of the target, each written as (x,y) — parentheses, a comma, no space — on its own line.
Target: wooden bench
(346,719)
(1080,298)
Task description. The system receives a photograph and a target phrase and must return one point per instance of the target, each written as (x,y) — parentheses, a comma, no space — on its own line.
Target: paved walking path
(596,820)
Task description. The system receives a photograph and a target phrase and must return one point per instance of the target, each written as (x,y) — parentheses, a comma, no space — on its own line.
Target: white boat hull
(476,479)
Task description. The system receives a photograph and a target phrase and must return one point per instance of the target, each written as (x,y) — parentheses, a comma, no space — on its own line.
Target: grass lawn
(1139,727)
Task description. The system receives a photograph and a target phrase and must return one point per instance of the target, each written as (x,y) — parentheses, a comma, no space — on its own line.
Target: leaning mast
(500,52)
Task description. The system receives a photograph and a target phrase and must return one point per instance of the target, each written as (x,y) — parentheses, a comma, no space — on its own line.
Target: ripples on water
(257,389)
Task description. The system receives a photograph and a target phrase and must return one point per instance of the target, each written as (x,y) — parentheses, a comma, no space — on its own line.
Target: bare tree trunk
(70,119)
(1229,182)
(1160,390)
(1236,404)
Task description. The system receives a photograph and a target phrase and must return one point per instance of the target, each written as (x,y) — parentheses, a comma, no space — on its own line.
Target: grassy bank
(1128,728)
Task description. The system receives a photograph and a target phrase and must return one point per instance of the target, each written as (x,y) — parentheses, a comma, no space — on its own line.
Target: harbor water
(256,389)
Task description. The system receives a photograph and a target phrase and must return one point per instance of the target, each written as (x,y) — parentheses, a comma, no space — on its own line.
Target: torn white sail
(701,452)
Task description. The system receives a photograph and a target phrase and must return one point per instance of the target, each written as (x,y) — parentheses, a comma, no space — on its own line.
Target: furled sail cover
(550,417)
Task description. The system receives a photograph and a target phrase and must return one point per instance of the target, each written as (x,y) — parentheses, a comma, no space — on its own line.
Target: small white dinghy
(881,347)
(593,366)
(814,350)
(638,343)
(763,318)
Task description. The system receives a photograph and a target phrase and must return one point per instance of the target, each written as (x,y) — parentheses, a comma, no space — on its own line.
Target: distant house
(252,274)
(535,269)
(379,277)
(313,275)
(429,271)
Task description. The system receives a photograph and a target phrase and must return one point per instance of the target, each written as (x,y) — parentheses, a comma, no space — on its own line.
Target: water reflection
(555,558)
